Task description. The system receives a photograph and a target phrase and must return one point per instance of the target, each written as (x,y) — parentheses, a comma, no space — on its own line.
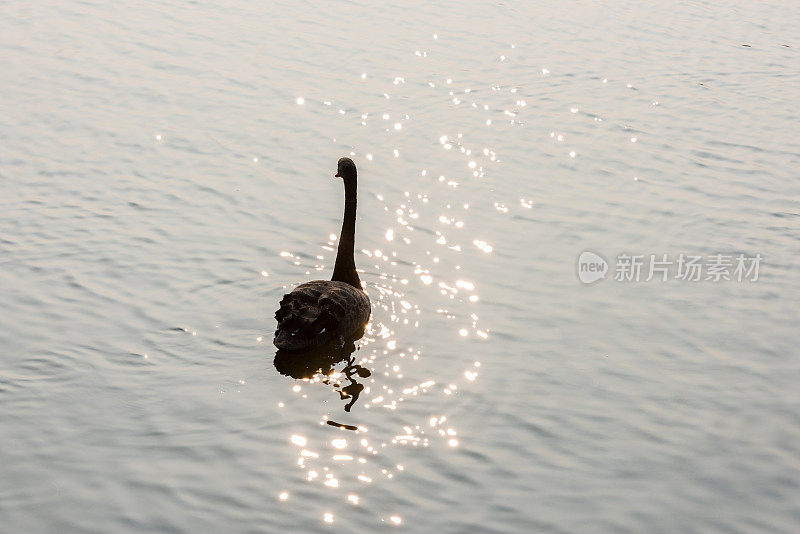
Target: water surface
(167,177)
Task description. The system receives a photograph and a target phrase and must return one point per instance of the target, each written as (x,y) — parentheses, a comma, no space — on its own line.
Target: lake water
(166,177)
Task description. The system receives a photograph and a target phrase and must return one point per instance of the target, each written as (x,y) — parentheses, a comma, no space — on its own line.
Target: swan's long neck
(345,268)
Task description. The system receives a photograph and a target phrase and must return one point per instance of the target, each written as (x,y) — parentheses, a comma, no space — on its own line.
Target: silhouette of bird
(320,311)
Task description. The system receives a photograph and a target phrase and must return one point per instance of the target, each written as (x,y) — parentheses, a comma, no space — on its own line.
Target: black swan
(319,311)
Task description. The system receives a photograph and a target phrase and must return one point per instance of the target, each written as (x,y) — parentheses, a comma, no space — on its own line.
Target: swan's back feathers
(316,312)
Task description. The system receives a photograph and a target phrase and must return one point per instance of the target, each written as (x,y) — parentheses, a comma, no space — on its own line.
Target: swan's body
(319,311)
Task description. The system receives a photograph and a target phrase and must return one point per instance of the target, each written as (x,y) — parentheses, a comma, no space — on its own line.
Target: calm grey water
(163,186)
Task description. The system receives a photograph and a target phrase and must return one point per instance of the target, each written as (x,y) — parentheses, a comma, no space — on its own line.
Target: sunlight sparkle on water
(397,305)
(483,245)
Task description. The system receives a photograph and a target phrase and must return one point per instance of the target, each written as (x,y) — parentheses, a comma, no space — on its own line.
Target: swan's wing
(318,311)
(307,317)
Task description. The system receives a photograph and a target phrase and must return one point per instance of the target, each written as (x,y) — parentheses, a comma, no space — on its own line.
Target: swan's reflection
(319,363)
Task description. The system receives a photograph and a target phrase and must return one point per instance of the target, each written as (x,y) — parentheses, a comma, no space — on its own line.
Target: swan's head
(346,169)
